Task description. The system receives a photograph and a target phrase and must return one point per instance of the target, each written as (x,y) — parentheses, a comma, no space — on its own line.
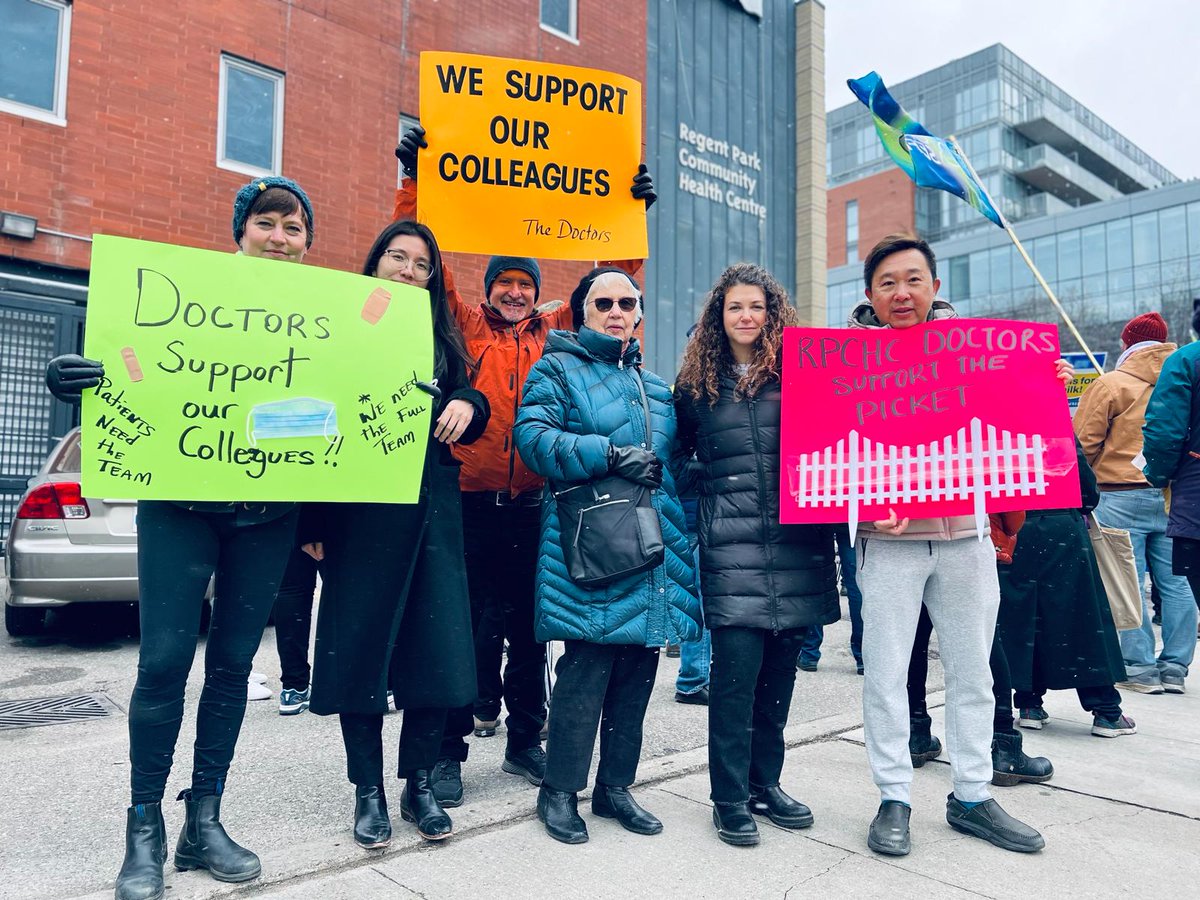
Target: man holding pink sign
(917,440)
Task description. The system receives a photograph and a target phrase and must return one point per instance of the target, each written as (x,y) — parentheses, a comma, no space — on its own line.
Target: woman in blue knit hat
(181,545)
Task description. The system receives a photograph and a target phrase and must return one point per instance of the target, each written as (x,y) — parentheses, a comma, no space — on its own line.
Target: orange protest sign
(530,158)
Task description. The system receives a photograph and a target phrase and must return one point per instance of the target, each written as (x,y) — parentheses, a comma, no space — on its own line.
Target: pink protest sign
(951,418)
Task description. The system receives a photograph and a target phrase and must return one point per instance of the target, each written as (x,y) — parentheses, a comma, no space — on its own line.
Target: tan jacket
(947,528)
(1110,416)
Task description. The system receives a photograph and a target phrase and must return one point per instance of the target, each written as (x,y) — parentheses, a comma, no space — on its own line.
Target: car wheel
(22,621)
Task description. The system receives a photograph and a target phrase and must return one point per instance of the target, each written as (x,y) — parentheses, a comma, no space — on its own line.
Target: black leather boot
(922,746)
(735,824)
(559,812)
(141,875)
(418,805)
(372,827)
(203,843)
(617,803)
(777,806)
(1011,766)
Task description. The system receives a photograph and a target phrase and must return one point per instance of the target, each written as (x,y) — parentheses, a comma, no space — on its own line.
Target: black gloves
(69,375)
(406,150)
(638,465)
(643,186)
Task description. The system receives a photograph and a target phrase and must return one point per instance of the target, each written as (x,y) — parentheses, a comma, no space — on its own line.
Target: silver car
(64,548)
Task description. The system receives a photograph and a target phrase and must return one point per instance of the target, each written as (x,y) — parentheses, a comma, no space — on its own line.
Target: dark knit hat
(246,196)
(1146,327)
(579,295)
(498,264)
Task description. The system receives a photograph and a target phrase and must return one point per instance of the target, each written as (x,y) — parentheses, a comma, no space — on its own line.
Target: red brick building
(142,119)
(884,204)
(135,150)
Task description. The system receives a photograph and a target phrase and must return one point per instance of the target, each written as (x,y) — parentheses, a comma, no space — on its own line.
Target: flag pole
(1033,268)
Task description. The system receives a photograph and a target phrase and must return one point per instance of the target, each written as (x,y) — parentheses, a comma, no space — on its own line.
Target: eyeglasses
(420,269)
(627,304)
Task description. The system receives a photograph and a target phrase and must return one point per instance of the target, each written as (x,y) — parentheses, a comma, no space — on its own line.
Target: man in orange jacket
(501,500)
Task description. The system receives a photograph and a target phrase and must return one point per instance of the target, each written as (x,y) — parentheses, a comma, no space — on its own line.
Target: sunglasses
(627,304)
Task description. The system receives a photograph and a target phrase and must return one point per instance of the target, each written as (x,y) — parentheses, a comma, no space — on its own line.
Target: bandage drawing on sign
(294,418)
(376,305)
(132,366)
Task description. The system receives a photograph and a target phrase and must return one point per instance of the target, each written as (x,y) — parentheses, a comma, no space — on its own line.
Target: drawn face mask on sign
(295,418)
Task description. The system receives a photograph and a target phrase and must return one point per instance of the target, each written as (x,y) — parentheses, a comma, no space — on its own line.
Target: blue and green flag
(928,160)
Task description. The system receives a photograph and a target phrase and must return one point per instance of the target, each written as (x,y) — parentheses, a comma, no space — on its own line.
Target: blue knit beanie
(498,264)
(246,196)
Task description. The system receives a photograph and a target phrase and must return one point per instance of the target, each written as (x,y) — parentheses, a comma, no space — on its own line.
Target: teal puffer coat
(580,398)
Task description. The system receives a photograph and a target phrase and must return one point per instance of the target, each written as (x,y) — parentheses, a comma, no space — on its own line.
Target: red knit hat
(1146,327)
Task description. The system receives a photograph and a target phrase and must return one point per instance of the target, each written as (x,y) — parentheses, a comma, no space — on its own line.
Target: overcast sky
(1135,63)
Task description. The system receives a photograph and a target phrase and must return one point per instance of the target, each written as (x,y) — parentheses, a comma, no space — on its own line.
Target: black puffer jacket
(754,572)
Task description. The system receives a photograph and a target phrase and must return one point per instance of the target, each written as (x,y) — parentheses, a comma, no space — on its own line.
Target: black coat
(754,572)
(395,612)
(1055,622)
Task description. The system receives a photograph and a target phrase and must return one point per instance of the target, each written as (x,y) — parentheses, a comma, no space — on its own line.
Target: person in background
(583,417)
(181,546)
(762,583)
(810,650)
(394,607)
(1108,423)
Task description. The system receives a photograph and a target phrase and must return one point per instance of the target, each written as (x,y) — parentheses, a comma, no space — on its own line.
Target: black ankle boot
(617,803)
(735,824)
(559,812)
(922,746)
(141,875)
(777,806)
(1011,766)
(203,843)
(372,827)
(418,805)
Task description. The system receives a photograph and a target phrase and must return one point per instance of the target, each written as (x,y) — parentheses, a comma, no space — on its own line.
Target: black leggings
(293,619)
(178,551)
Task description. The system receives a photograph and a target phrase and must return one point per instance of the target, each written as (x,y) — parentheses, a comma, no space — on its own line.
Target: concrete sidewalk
(1120,816)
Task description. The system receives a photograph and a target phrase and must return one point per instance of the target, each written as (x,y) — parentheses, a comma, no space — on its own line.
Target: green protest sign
(234,378)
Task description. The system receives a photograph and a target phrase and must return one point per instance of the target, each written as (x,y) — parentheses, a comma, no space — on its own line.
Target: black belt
(504,498)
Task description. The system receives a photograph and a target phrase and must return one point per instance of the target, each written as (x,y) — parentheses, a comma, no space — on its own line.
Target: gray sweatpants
(957,582)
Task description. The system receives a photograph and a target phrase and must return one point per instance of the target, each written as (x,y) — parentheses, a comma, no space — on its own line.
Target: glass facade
(1106,263)
(1037,150)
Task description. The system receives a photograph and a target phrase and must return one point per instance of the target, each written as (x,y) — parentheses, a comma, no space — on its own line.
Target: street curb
(333,854)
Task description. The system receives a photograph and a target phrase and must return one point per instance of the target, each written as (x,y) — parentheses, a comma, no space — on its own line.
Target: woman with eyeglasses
(394,610)
(583,417)
(762,582)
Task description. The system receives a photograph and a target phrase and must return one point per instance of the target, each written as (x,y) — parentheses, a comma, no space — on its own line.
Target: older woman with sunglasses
(585,416)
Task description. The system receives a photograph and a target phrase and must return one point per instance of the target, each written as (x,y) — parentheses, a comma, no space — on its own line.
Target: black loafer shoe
(559,812)
(735,825)
(696,698)
(372,827)
(418,805)
(988,821)
(888,833)
(777,806)
(617,803)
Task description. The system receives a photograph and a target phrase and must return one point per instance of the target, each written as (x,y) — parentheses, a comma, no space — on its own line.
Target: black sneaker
(445,780)
(988,821)
(529,763)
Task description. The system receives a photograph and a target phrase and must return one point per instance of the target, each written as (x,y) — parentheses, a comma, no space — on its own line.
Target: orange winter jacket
(504,353)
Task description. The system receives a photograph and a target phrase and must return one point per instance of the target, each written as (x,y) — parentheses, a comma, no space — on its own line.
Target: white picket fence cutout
(858,472)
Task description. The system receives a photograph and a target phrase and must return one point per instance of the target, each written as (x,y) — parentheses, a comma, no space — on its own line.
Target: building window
(250,118)
(560,17)
(34,46)
(406,122)
(851,232)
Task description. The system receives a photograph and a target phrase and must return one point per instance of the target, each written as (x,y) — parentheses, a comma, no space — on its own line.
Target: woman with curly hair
(761,582)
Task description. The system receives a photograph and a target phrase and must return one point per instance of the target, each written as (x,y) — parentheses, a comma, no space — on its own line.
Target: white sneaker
(256,691)
(258,677)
